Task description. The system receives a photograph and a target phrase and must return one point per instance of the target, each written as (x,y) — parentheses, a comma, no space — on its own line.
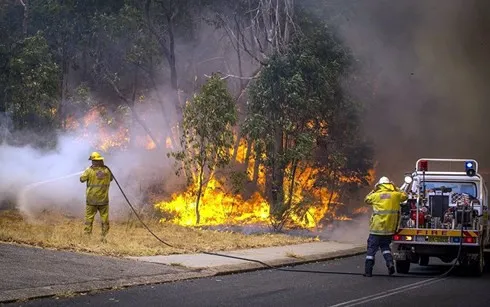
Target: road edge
(286,261)
(21,295)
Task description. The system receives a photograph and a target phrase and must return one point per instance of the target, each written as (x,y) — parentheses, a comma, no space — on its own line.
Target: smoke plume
(38,181)
(427,62)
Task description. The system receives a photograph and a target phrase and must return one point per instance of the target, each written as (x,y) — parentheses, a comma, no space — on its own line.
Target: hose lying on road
(261,262)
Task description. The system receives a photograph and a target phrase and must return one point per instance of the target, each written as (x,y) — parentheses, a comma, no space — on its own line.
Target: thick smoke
(38,180)
(428,62)
(426,65)
(35,180)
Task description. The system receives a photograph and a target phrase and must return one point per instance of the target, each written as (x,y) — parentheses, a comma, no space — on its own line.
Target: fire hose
(261,262)
(229,256)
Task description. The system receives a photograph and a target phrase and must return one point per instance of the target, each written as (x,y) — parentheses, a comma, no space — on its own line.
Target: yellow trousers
(90,212)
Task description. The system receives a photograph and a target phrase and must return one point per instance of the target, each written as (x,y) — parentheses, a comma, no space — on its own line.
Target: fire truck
(445,216)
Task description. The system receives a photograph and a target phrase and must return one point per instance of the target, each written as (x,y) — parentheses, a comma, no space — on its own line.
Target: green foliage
(296,105)
(33,85)
(66,57)
(207,127)
(207,133)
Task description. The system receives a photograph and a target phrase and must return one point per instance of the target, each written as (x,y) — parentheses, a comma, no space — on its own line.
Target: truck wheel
(424,260)
(486,257)
(477,267)
(402,266)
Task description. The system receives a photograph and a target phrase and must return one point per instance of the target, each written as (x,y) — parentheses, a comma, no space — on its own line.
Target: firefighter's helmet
(95,156)
(383,179)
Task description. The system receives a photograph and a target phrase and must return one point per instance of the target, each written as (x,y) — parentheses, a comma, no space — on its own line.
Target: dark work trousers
(375,242)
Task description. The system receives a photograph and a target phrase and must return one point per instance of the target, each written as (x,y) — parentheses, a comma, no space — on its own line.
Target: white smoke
(36,180)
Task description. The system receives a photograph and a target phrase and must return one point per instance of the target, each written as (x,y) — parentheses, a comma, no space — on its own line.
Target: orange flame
(219,205)
(109,133)
(309,204)
(150,144)
(361,210)
(105,137)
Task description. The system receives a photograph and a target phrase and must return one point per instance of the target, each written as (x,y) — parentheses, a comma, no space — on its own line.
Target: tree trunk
(200,182)
(258,154)
(289,208)
(294,165)
(236,146)
(25,19)
(132,132)
(277,184)
(171,59)
(167,51)
(199,191)
(64,72)
(248,153)
(238,53)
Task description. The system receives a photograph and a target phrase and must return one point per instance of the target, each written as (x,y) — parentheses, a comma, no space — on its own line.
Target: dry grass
(128,238)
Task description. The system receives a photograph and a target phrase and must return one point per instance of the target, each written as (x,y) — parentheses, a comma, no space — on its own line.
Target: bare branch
(129,104)
(233,37)
(235,77)
(25,4)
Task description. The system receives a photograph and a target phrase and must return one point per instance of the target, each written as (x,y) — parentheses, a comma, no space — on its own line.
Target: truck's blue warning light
(470,168)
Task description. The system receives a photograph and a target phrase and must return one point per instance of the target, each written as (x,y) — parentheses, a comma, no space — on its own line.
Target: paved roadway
(278,288)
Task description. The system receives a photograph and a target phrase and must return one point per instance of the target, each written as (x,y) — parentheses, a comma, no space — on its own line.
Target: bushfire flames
(219,205)
(111,132)
(310,205)
(106,137)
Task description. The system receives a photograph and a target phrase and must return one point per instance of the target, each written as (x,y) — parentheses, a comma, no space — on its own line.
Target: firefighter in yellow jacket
(385,199)
(98,178)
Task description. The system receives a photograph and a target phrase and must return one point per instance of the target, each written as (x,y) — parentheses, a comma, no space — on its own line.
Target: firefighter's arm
(403,196)
(84,176)
(370,197)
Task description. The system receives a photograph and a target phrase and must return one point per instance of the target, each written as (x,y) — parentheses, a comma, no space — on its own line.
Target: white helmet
(383,179)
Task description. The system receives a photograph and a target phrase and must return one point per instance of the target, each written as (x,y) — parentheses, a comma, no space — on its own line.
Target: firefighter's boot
(391,268)
(389,262)
(368,268)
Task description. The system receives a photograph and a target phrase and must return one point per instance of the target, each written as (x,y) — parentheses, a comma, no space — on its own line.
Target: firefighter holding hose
(385,200)
(98,178)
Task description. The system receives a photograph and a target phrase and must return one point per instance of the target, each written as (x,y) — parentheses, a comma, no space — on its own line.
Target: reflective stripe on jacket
(98,179)
(385,199)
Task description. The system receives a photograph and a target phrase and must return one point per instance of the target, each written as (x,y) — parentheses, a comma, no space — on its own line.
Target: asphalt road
(278,288)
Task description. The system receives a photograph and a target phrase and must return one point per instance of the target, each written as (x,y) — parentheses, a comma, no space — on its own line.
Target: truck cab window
(456,187)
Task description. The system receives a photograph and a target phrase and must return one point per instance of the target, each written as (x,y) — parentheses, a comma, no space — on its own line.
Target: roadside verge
(273,256)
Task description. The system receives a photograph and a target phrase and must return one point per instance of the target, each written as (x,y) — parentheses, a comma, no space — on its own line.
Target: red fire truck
(445,216)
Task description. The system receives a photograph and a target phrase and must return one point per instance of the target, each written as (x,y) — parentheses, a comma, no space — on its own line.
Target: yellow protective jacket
(98,179)
(385,199)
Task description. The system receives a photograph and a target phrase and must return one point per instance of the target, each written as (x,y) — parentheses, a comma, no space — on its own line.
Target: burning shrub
(207,137)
